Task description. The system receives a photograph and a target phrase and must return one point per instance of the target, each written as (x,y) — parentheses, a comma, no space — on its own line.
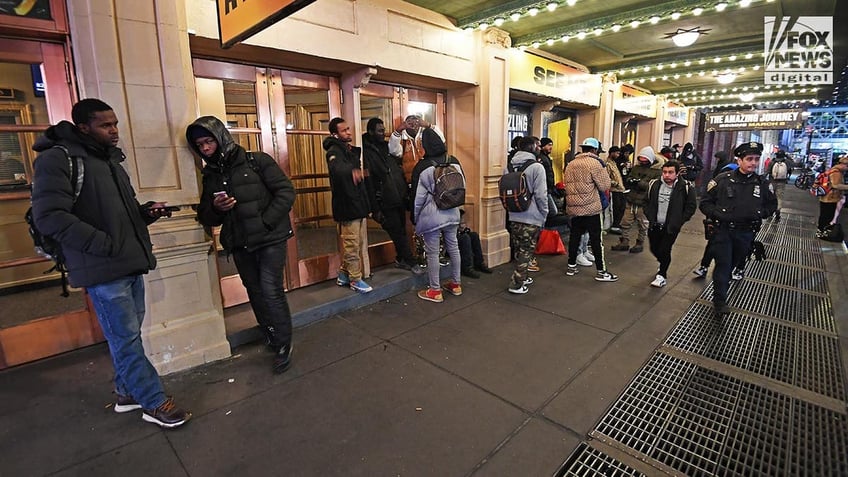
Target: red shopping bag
(550,243)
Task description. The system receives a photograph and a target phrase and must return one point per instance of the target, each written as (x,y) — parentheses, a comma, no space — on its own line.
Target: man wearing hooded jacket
(250,197)
(388,192)
(646,169)
(106,245)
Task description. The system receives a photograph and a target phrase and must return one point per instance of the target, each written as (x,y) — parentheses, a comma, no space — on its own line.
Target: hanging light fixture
(725,78)
(685,37)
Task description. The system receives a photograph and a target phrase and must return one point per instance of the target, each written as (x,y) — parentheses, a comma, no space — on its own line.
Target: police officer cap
(747,148)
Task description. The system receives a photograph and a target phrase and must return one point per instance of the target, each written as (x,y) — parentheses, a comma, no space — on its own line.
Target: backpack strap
(76,166)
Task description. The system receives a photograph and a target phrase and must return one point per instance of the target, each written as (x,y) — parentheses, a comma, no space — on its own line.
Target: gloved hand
(756,224)
(759,251)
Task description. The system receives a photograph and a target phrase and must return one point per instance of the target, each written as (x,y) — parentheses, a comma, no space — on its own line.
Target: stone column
(605,117)
(478,133)
(135,56)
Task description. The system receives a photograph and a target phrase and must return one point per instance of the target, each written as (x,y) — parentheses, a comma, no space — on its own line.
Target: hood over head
(433,144)
(648,153)
(688,147)
(210,126)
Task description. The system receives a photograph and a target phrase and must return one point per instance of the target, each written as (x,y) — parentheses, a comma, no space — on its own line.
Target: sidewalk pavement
(484,384)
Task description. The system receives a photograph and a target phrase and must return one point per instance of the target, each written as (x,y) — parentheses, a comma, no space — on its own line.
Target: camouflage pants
(524,237)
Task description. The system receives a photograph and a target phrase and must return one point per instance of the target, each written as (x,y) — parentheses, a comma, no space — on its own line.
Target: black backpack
(46,246)
(512,187)
(449,184)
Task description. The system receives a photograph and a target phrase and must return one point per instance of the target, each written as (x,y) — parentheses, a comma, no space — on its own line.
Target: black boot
(470,272)
(282,360)
(482,268)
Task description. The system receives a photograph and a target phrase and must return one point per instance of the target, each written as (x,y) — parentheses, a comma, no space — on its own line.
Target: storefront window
(22,104)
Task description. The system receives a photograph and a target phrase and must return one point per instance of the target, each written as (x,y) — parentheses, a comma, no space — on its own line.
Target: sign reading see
(798,50)
(240,19)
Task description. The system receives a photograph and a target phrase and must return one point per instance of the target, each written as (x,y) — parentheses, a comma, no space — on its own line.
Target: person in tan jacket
(829,204)
(585,179)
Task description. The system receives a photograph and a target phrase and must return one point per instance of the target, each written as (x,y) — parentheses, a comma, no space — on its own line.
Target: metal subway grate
(791,305)
(808,360)
(715,424)
(588,461)
(639,415)
(758,438)
(774,240)
(693,438)
(796,256)
(819,445)
(807,279)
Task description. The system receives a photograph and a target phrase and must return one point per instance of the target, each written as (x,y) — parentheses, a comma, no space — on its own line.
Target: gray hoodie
(537,183)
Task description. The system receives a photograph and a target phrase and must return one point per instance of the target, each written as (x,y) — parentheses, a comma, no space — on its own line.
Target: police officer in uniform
(737,201)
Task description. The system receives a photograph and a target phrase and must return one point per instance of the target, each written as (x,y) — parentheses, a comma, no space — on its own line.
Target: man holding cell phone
(106,245)
(250,197)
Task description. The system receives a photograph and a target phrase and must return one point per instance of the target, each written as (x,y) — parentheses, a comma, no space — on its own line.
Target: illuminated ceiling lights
(726,78)
(740,58)
(684,37)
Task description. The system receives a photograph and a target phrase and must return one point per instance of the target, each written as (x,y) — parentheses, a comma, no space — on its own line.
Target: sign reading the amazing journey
(748,120)
(240,19)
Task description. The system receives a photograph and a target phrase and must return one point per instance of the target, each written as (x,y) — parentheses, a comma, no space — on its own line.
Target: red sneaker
(431,295)
(452,287)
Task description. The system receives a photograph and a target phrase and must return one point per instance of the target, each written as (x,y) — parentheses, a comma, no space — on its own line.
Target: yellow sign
(240,19)
(535,74)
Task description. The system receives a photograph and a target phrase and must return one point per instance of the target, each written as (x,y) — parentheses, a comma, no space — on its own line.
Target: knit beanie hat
(197,132)
(648,153)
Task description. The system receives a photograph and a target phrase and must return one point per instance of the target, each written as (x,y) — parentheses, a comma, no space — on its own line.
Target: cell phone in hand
(220,193)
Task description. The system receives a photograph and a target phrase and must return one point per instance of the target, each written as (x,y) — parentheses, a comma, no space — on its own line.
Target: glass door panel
(32,96)
(378,101)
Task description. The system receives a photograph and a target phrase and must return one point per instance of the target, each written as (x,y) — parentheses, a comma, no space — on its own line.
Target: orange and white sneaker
(452,287)
(533,266)
(431,295)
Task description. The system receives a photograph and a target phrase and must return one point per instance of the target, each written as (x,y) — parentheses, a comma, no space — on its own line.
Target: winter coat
(388,186)
(584,178)
(737,197)
(691,160)
(638,179)
(550,178)
(350,201)
(264,194)
(616,182)
(681,205)
(427,217)
(104,233)
(534,175)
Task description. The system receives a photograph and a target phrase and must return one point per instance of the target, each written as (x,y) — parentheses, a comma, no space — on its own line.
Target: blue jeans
(261,273)
(431,247)
(119,305)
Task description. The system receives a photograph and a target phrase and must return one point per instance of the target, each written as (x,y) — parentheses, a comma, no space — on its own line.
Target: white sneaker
(520,290)
(583,261)
(658,282)
(700,271)
(605,276)
(737,274)
(528,281)
(589,256)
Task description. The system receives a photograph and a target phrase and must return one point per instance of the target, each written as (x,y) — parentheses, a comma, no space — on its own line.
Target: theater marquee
(749,120)
(240,19)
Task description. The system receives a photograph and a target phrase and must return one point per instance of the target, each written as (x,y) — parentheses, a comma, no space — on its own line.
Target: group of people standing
(103,233)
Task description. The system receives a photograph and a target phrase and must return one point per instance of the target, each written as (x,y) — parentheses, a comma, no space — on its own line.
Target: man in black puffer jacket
(387,192)
(106,245)
(350,202)
(250,197)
